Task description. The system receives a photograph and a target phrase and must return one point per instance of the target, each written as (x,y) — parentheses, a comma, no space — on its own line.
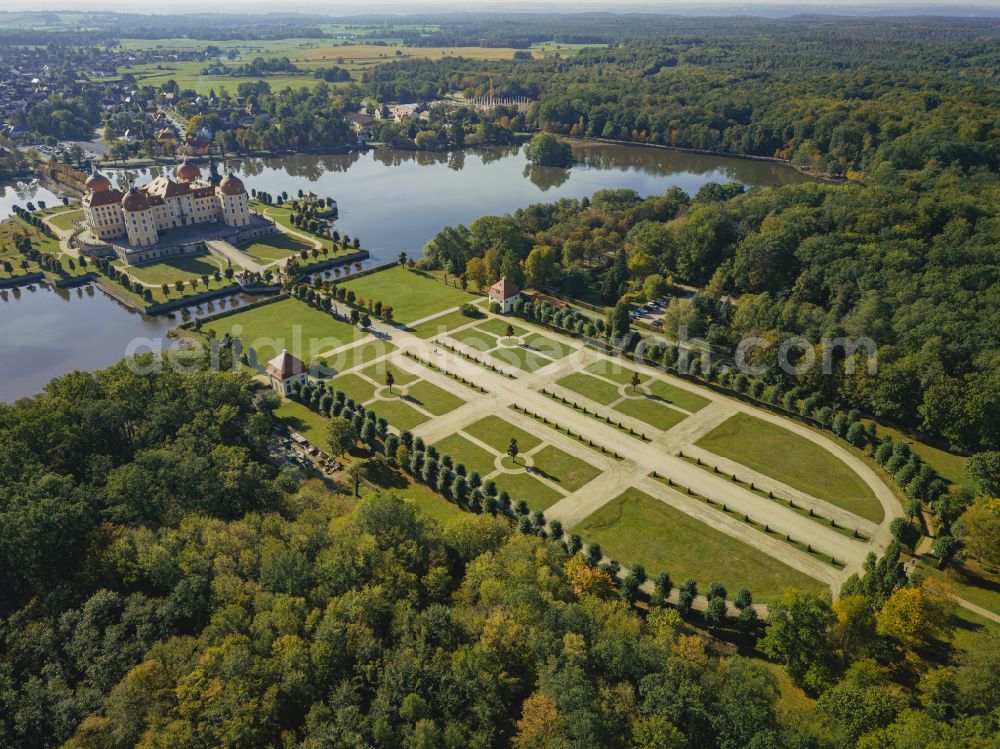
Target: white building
(139,215)
(285,370)
(506,294)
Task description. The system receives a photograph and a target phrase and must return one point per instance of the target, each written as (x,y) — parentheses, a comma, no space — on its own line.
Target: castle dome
(187,172)
(134,201)
(97,182)
(232,185)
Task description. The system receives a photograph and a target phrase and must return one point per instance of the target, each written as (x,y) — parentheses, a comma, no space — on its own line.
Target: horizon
(707,8)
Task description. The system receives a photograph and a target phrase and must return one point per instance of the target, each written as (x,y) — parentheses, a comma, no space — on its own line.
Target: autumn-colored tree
(540,725)
(588,581)
(914,616)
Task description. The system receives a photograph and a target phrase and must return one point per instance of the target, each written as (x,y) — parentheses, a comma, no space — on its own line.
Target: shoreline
(702,152)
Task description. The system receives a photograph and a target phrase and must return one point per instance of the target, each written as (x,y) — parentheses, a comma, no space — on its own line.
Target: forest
(833,100)
(163,586)
(910,261)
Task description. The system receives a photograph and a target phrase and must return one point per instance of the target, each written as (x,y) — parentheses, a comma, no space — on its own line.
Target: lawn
(548,347)
(520,357)
(399,414)
(396,482)
(64,219)
(970,581)
(377,372)
(430,502)
(366,351)
(498,327)
(524,486)
(652,412)
(411,295)
(306,422)
(597,390)
(275,247)
(569,472)
(440,325)
(793,460)
(181,268)
(675,396)
(950,466)
(432,398)
(471,455)
(613,370)
(635,527)
(289,324)
(475,338)
(353,387)
(497,433)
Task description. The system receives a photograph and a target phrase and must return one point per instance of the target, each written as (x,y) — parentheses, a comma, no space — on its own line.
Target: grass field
(793,460)
(652,412)
(432,398)
(377,372)
(635,527)
(675,396)
(440,325)
(475,338)
(463,451)
(181,268)
(430,502)
(569,472)
(399,414)
(12,226)
(498,327)
(969,581)
(497,433)
(950,466)
(520,357)
(524,486)
(306,422)
(353,387)
(613,370)
(288,324)
(64,219)
(362,353)
(411,295)
(547,346)
(354,53)
(275,247)
(597,390)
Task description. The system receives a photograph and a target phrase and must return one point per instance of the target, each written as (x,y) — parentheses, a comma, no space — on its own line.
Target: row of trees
(807,261)
(161,579)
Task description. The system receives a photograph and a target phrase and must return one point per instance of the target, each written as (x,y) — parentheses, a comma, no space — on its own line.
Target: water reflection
(398,200)
(546,177)
(392,200)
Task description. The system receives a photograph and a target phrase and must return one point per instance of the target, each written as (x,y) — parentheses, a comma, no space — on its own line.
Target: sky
(352,7)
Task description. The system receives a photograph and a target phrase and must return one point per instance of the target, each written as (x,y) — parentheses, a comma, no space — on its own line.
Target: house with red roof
(285,370)
(505,293)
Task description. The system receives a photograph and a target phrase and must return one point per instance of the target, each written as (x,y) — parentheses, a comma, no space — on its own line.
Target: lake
(392,200)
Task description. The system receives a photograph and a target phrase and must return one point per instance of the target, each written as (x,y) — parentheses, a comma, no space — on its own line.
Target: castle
(140,214)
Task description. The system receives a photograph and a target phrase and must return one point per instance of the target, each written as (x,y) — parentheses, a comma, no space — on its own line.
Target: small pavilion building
(506,294)
(285,370)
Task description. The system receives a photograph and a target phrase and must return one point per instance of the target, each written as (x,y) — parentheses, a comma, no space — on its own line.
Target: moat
(393,200)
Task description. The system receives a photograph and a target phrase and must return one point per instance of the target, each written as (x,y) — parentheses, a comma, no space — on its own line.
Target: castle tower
(102,208)
(233,201)
(139,223)
(187,172)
